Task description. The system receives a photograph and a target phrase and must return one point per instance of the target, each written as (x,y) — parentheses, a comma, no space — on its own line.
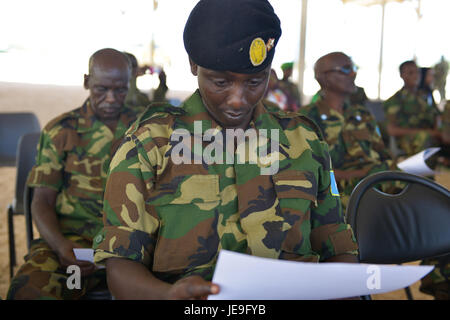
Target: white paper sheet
(245,277)
(416,163)
(85,254)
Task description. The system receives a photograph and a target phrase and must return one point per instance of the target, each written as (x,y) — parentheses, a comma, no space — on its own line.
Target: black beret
(232,35)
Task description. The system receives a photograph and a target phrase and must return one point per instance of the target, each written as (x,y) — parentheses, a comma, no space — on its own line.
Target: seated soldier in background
(289,88)
(135,97)
(69,177)
(274,94)
(356,145)
(409,118)
(159,94)
(437,282)
(165,223)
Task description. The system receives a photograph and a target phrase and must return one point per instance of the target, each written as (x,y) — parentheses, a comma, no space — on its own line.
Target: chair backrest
(12,127)
(409,226)
(26,158)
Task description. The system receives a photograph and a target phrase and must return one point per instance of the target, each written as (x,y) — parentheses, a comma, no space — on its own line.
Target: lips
(234,114)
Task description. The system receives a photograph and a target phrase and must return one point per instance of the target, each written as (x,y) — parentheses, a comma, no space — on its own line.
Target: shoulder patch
(64,120)
(312,124)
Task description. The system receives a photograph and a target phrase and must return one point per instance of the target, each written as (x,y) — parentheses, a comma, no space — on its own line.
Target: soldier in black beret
(167,221)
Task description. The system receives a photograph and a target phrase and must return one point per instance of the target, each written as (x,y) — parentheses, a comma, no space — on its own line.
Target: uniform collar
(261,118)
(88,122)
(323,108)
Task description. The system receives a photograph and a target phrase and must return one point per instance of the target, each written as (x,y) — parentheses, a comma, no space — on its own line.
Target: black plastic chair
(409,226)
(12,127)
(26,156)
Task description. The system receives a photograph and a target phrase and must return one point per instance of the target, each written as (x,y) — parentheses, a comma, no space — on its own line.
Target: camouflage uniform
(354,139)
(175,219)
(292,93)
(407,110)
(74,154)
(136,98)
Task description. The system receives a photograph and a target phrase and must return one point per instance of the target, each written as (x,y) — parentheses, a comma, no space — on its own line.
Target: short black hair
(406,63)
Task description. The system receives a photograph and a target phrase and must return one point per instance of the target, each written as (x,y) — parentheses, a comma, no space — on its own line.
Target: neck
(411,89)
(334,100)
(111,124)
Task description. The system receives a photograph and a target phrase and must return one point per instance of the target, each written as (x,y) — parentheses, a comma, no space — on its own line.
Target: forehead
(410,68)
(111,75)
(339,60)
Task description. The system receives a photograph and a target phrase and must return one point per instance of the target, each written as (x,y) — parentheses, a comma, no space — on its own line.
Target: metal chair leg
(12,244)
(408,293)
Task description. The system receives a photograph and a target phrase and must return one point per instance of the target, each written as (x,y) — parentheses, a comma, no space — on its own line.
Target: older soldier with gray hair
(69,177)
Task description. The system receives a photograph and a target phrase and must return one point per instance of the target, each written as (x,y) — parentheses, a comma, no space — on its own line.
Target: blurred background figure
(359,96)
(426,86)
(290,88)
(275,94)
(440,74)
(135,98)
(409,118)
(159,94)
(138,99)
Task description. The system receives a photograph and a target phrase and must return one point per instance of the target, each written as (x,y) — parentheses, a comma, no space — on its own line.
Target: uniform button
(99,238)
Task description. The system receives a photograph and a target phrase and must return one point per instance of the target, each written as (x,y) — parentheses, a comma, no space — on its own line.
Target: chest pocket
(358,135)
(83,178)
(187,237)
(296,192)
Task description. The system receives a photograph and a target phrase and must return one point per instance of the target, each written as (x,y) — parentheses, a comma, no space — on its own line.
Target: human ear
(194,67)
(86,81)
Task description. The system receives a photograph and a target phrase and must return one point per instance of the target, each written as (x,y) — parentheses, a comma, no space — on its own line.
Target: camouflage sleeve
(130,224)
(49,160)
(386,162)
(391,108)
(330,234)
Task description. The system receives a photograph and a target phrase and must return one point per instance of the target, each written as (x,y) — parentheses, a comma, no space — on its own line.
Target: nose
(110,98)
(236,98)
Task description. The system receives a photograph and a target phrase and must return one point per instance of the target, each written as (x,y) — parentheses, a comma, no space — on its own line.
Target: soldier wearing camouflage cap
(409,118)
(356,145)
(165,223)
(290,88)
(69,177)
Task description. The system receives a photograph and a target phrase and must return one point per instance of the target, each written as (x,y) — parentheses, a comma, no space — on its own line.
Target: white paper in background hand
(416,163)
(85,254)
(244,277)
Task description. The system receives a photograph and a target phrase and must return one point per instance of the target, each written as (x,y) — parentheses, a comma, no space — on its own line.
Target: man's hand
(192,288)
(67,257)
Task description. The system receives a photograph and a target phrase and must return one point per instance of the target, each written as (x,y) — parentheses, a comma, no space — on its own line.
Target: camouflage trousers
(437,282)
(42,277)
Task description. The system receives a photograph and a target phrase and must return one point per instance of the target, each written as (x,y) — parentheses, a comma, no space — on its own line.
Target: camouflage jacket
(176,218)
(354,139)
(407,110)
(73,157)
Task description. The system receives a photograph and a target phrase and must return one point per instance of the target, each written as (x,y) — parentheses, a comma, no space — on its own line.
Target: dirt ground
(47,102)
